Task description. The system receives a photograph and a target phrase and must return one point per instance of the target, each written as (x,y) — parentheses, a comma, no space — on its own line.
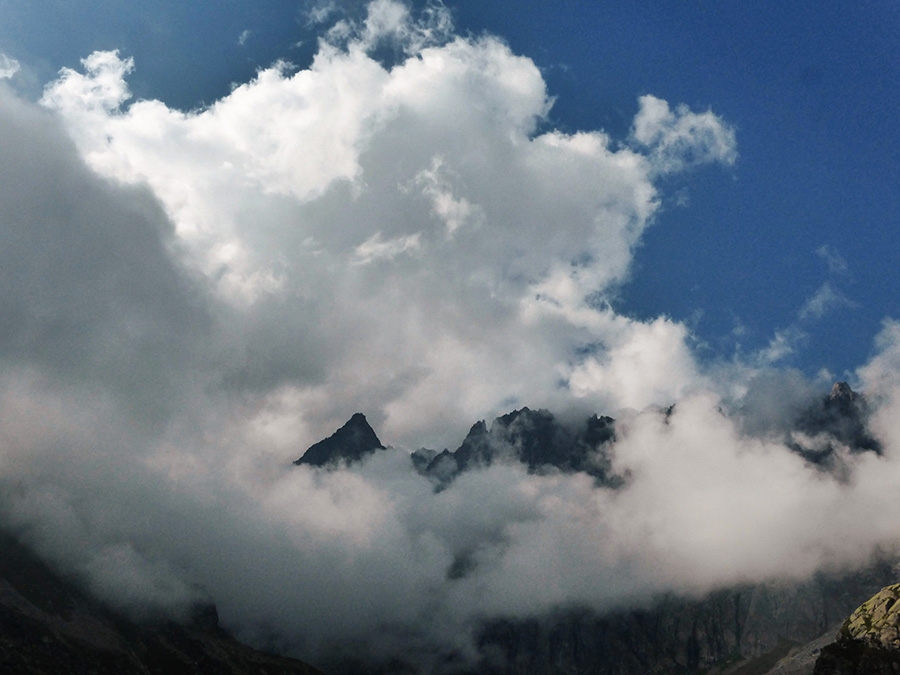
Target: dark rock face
(744,629)
(47,625)
(534,438)
(839,418)
(350,443)
(856,658)
(868,642)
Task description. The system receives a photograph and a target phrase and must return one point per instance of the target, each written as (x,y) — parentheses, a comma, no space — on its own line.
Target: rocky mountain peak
(841,391)
(838,419)
(350,443)
(478,429)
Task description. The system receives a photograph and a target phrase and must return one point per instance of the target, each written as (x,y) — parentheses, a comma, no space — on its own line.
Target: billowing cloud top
(407,237)
(192,298)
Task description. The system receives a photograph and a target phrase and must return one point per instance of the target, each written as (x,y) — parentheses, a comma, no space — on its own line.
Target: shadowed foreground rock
(869,641)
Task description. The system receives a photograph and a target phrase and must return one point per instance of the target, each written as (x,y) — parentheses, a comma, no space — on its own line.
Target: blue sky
(810,88)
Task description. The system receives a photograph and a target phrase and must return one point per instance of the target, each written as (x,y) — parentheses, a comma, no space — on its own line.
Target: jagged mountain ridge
(537,439)
(534,438)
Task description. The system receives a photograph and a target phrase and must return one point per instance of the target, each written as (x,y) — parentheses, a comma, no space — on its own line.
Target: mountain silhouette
(349,444)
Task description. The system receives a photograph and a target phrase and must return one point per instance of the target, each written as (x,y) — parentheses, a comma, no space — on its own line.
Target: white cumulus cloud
(280,190)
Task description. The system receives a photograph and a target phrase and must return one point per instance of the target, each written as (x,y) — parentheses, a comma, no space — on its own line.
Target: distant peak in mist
(542,442)
(838,419)
(535,438)
(842,390)
(350,443)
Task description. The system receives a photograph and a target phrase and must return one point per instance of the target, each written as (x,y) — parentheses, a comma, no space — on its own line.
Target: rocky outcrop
(48,625)
(826,430)
(350,443)
(868,642)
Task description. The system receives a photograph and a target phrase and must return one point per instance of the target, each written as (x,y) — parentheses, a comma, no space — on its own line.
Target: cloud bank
(190,299)
(408,233)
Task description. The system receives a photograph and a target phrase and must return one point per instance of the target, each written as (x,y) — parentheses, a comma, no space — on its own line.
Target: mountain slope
(49,626)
